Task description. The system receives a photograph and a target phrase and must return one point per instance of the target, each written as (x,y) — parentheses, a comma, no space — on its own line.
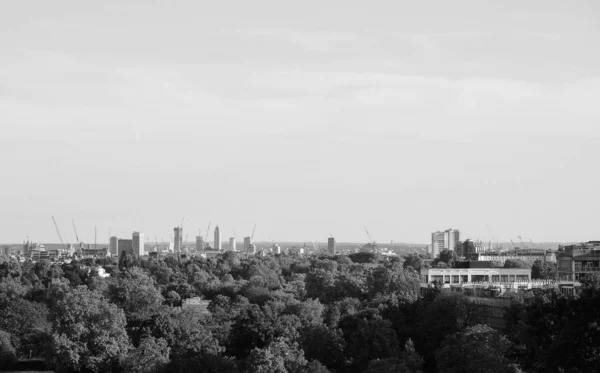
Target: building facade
(137,239)
(465,272)
(124,244)
(331,246)
(199,243)
(177,239)
(578,261)
(232,244)
(114,246)
(448,239)
(217,245)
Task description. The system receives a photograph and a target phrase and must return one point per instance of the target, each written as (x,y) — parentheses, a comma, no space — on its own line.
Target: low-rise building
(197,304)
(528,256)
(578,261)
(475,271)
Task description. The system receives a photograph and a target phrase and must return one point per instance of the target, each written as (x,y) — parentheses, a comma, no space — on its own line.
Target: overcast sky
(306,118)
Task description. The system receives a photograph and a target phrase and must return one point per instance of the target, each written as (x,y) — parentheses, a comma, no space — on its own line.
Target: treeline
(282,314)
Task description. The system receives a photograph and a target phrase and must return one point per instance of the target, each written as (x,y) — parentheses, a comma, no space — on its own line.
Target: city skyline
(126,116)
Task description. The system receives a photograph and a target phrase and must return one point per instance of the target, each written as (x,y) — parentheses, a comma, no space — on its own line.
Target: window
(455,279)
(495,278)
(478,278)
(522,278)
(503,278)
(464,278)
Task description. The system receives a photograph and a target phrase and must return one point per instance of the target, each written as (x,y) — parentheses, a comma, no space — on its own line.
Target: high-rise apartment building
(137,239)
(177,239)
(232,244)
(199,243)
(114,246)
(217,238)
(448,239)
(331,246)
(124,245)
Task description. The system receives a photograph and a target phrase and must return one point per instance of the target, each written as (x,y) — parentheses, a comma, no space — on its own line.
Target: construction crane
(207,232)
(58,232)
(253,230)
(75,229)
(371,241)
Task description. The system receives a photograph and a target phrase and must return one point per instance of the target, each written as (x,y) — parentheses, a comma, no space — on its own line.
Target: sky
(308,119)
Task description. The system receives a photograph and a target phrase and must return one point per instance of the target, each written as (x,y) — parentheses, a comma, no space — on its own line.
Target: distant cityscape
(574,261)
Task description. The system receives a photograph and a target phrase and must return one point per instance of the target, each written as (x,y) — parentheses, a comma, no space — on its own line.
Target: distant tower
(137,239)
(247,243)
(331,246)
(217,239)
(199,243)
(178,239)
(232,244)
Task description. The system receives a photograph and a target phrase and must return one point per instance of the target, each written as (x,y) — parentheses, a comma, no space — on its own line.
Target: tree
(414,260)
(541,270)
(515,263)
(87,332)
(445,256)
(279,356)
(325,345)
(8,355)
(151,356)
(134,292)
(28,324)
(368,337)
(477,349)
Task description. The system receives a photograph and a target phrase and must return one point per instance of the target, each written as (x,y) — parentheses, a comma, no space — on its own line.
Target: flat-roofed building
(475,271)
(199,243)
(124,244)
(448,239)
(137,239)
(576,262)
(114,246)
(331,246)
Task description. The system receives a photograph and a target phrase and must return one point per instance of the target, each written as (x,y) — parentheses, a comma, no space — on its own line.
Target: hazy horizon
(307,119)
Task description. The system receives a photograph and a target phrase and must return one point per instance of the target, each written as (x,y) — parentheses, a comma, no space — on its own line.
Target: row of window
(457,279)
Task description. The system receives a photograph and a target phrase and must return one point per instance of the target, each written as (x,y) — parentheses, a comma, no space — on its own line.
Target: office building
(177,239)
(137,239)
(232,244)
(217,245)
(247,243)
(114,246)
(448,239)
(199,243)
(331,246)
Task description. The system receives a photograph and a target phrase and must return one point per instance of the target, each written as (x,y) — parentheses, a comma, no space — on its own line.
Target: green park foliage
(282,313)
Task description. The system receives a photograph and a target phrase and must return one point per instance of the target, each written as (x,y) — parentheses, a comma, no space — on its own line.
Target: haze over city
(129,116)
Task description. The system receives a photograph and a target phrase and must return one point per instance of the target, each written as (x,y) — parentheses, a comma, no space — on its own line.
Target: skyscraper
(232,244)
(331,246)
(138,243)
(178,239)
(217,238)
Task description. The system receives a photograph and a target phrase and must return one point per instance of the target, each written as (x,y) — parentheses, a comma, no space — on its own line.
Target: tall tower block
(217,239)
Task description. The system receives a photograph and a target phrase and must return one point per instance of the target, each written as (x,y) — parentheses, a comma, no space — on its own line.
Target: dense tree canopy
(284,313)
